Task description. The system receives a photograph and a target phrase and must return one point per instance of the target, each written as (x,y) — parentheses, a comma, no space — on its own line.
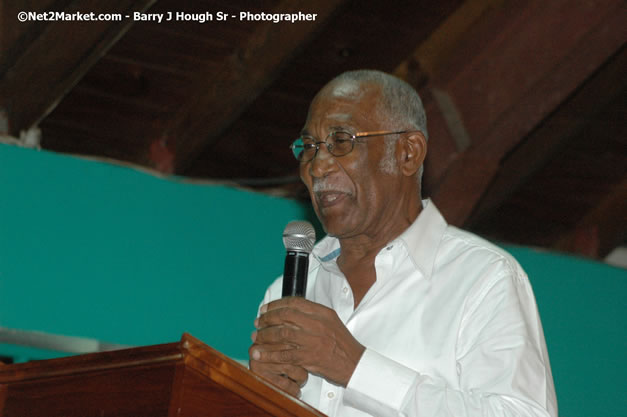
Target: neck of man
(358,253)
(359,248)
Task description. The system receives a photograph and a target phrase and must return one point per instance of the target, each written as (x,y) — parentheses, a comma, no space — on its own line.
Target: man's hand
(289,378)
(299,333)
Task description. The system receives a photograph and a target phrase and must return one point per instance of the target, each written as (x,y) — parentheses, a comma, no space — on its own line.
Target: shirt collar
(327,250)
(422,239)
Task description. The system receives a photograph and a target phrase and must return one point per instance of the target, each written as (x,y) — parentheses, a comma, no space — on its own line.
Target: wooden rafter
(511,117)
(221,99)
(554,133)
(50,57)
(602,229)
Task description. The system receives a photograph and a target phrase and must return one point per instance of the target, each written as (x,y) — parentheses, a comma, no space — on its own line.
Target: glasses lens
(304,148)
(297,148)
(340,143)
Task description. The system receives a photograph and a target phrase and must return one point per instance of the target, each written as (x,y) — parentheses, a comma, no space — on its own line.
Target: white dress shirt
(450,327)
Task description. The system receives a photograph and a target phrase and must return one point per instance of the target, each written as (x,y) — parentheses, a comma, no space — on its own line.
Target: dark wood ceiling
(526,99)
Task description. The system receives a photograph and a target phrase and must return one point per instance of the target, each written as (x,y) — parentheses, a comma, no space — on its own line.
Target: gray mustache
(321,186)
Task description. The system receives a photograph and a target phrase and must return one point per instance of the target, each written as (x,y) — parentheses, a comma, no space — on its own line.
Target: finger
(286,384)
(300,375)
(259,352)
(287,337)
(298,303)
(285,315)
(296,311)
(287,377)
(282,334)
(267,347)
(296,374)
(282,356)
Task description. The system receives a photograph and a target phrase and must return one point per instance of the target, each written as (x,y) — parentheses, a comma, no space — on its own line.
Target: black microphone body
(295,273)
(299,238)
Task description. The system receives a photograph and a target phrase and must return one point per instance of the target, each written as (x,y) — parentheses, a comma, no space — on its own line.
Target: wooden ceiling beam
(433,53)
(608,83)
(422,66)
(49,57)
(221,99)
(512,69)
(16,36)
(602,229)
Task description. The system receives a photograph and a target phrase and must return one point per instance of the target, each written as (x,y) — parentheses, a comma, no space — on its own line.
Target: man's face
(350,194)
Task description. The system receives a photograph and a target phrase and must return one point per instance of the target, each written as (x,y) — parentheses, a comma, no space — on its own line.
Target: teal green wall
(97,250)
(584,315)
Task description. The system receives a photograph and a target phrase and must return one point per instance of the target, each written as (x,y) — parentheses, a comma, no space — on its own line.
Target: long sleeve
(450,326)
(501,363)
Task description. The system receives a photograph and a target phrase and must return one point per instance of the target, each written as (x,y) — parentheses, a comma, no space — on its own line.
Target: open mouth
(330,198)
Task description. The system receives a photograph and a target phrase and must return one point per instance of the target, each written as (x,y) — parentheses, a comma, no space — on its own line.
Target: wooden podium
(184,379)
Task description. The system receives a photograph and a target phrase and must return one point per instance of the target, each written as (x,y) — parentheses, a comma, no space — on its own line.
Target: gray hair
(401,106)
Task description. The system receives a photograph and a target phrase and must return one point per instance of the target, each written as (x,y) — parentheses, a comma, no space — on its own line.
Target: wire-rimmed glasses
(339,143)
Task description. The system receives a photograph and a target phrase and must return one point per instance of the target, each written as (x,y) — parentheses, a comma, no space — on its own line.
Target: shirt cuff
(379,385)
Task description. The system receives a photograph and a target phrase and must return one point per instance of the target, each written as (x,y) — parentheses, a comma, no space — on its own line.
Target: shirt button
(345,290)
(331,395)
(390,247)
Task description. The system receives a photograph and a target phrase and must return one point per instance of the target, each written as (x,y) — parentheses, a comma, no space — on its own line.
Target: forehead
(343,103)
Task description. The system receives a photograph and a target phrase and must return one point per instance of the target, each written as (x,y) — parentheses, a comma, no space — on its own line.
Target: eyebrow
(306,132)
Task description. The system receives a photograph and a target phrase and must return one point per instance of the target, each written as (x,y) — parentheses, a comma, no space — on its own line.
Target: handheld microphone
(299,238)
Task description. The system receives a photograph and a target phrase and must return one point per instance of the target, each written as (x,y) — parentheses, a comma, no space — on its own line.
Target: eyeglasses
(339,143)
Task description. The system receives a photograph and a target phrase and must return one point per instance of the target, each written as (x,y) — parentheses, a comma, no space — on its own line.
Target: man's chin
(325,226)
(334,228)
(333,224)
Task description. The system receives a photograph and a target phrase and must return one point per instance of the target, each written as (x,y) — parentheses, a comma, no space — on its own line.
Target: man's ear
(412,151)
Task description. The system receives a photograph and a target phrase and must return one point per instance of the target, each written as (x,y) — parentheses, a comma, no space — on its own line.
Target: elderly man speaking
(405,315)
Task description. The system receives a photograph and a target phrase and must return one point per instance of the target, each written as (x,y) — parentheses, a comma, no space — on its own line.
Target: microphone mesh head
(299,236)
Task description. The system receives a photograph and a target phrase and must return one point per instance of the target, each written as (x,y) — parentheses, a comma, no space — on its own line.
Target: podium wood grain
(182,379)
